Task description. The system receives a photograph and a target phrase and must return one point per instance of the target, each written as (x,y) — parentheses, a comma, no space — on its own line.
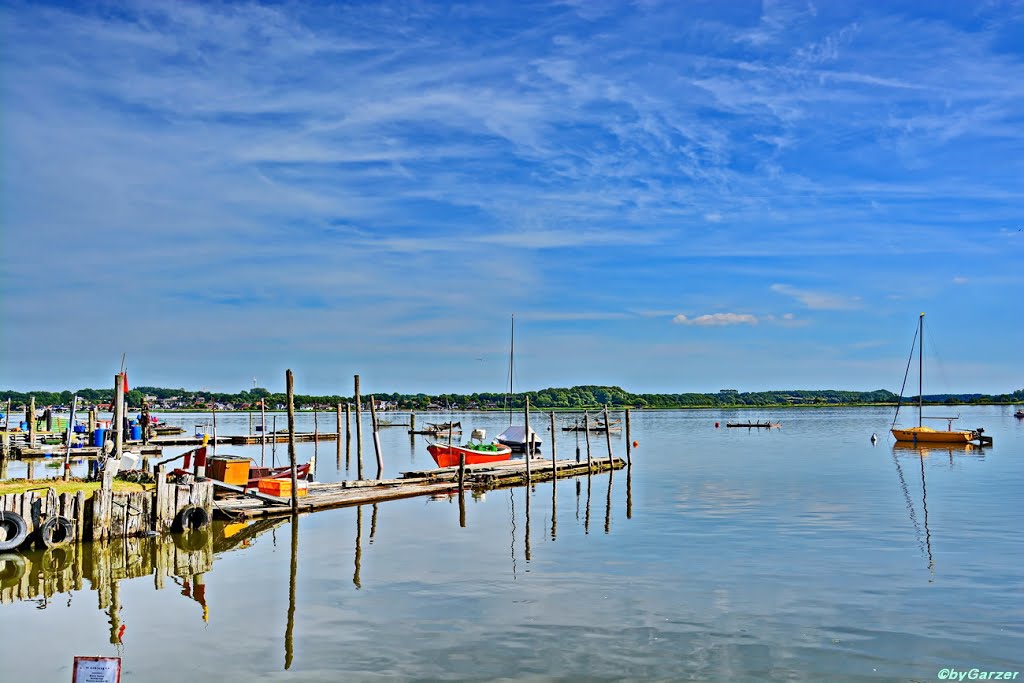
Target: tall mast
(511,367)
(920,370)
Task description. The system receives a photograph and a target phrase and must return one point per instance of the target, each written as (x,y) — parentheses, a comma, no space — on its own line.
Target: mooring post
(529,441)
(376,437)
(263,430)
(214,426)
(30,417)
(290,382)
(316,422)
(250,421)
(586,434)
(629,443)
(608,439)
(119,416)
(71,435)
(359,432)
(337,431)
(462,471)
(348,434)
(412,426)
(554,468)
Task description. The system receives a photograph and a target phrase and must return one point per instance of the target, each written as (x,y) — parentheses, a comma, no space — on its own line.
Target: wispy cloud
(817,300)
(716,319)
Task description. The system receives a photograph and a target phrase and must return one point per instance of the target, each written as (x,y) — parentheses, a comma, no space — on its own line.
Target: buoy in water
(874,438)
(716,425)
(635,444)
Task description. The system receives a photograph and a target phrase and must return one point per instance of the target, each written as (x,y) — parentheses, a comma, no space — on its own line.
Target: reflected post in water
(289,631)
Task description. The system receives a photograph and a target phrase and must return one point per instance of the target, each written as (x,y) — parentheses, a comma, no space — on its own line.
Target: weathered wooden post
(554,469)
(71,436)
(30,417)
(529,442)
(629,443)
(586,434)
(337,431)
(7,417)
(348,434)
(290,382)
(359,432)
(316,422)
(412,426)
(608,439)
(250,422)
(119,415)
(462,472)
(215,426)
(376,437)
(263,430)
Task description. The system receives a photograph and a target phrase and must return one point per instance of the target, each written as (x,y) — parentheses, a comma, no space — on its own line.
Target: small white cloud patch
(716,319)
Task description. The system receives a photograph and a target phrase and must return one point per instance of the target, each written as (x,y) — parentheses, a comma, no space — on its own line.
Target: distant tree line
(572,398)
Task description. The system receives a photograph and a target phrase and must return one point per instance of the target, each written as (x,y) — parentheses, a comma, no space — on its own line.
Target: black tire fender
(13,530)
(55,531)
(190,517)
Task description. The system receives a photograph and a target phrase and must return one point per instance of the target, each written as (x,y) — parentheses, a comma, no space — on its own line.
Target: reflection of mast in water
(359,546)
(577,499)
(910,505)
(586,516)
(554,517)
(289,631)
(373,523)
(924,504)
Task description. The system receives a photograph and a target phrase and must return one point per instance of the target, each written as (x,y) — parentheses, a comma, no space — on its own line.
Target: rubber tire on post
(12,568)
(55,531)
(190,517)
(15,521)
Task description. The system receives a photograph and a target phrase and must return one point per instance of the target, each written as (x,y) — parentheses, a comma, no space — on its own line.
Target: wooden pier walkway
(415,483)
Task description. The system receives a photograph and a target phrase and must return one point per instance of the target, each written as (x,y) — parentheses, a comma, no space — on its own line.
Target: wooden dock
(415,483)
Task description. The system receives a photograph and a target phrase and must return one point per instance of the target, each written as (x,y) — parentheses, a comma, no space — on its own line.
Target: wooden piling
(263,430)
(376,437)
(629,443)
(586,434)
(214,426)
(608,436)
(316,423)
(462,472)
(359,432)
(290,382)
(529,441)
(337,429)
(348,434)
(118,415)
(250,423)
(31,418)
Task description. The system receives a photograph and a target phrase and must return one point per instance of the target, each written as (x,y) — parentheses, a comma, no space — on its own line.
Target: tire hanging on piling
(191,517)
(16,530)
(55,531)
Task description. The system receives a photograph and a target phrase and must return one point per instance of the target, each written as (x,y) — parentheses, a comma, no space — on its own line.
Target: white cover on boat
(516,434)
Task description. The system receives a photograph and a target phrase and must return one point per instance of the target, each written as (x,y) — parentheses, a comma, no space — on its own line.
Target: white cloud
(960,280)
(818,300)
(713,217)
(716,319)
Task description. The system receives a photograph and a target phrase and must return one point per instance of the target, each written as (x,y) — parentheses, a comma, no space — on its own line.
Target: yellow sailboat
(920,433)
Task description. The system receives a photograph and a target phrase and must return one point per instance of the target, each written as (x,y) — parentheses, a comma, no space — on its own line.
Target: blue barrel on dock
(136,432)
(98,437)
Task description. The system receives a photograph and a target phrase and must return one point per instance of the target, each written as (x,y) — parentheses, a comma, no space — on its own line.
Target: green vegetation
(573,398)
(61,486)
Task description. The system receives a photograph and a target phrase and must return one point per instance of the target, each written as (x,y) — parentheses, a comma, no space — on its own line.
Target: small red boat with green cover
(448,455)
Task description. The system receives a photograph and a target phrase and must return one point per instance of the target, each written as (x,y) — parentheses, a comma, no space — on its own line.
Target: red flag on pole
(125,375)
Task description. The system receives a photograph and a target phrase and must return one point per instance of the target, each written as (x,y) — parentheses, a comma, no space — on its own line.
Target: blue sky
(669,196)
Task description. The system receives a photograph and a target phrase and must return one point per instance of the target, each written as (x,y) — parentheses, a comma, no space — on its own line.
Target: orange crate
(281,487)
(230,470)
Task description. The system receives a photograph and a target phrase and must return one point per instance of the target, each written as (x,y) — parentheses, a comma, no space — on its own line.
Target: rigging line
(906,374)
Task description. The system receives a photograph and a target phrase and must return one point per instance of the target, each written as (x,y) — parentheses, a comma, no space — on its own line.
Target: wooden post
(160,523)
(462,471)
(290,382)
(359,432)
(263,430)
(586,434)
(554,468)
(71,435)
(348,434)
(316,423)
(7,417)
(215,426)
(629,443)
(31,418)
(412,425)
(608,439)
(529,441)
(250,422)
(118,415)
(376,437)
(337,431)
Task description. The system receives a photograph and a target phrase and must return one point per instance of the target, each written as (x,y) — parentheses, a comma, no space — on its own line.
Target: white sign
(97,670)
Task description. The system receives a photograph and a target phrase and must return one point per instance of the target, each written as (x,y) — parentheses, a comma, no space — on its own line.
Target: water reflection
(289,630)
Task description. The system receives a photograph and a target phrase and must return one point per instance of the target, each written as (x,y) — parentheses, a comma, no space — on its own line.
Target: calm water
(804,553)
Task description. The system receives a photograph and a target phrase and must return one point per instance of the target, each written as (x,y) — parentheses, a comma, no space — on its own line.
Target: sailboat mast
(920,370)
(511,367)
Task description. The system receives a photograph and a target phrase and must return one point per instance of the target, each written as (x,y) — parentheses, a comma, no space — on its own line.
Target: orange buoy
(716,425)
(635,444)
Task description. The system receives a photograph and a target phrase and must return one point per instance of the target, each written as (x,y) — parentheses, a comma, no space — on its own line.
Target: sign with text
(97,670)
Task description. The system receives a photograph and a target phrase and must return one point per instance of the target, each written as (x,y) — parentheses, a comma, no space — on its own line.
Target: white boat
(514,437)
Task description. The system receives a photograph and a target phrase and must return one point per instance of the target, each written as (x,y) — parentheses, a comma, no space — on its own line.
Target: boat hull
(929,435)
(449,455)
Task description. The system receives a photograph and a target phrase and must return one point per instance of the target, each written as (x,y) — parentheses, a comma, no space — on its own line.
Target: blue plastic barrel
(136,433)
(79,429)
(98,437)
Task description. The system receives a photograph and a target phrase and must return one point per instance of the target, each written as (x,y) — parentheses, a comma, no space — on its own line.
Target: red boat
(446,455)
